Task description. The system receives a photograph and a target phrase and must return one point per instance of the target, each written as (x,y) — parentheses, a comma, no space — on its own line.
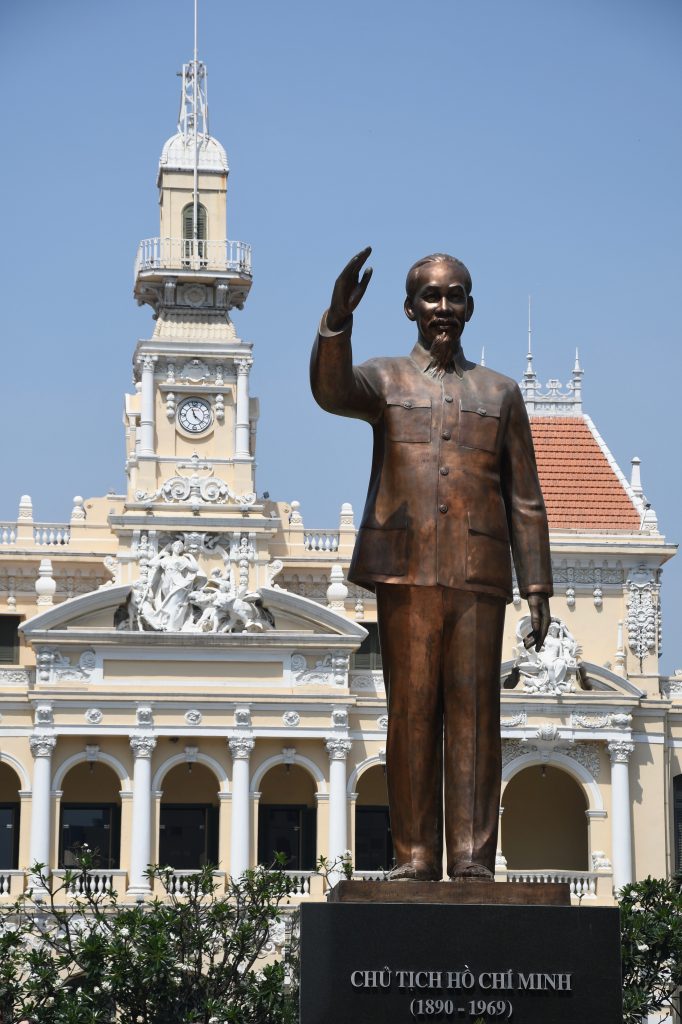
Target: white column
(621,815)
(241,434)
(241,747)
(141,832)
(41,748)
(147,406)
(338,750)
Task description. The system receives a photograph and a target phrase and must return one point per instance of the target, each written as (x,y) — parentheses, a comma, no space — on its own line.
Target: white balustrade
(583,884)
(370,876)
(193,253)
(299,882)
(96,881)
(8,533)
(320,540)
(51,533)
(181,883)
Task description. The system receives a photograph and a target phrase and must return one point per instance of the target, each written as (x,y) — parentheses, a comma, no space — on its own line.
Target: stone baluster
(141,832)
(621,814)
(240,747)
(45,585)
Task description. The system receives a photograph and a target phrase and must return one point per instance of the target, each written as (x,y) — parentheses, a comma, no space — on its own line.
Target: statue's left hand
(540,617)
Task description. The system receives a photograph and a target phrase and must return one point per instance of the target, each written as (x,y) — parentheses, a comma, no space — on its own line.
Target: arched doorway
(90,815)
(373,843)
(10,784)
(287,817)
(188,826)
(544,824)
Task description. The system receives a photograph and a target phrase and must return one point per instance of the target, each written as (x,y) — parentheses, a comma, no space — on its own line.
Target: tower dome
(178,154)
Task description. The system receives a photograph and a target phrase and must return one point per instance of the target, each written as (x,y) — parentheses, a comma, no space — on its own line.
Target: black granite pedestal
(396,962)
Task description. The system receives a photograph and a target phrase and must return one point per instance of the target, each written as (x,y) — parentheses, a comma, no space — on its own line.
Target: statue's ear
(409,312)
(470,308)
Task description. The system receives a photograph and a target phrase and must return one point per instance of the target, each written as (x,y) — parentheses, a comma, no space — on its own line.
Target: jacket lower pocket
(381,552)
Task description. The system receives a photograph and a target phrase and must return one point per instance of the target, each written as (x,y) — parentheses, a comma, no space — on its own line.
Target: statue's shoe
(469,870)
(413,873)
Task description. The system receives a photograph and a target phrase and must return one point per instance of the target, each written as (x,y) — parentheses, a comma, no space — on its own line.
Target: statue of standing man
(453,486)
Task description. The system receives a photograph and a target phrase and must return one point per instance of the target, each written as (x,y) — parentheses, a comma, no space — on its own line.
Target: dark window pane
(9,836)
(189,836)
(368,655)
(677,819)
(287,829)
(96,826)
(9,639)
(373,844)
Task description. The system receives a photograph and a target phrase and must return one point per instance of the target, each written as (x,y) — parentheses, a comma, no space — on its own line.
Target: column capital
(42,745)
(147,361)
(338,748)
(620,750)
(243,364)
(241,747)
(142,746)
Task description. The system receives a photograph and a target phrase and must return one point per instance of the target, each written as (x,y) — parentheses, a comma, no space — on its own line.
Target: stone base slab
(473,890)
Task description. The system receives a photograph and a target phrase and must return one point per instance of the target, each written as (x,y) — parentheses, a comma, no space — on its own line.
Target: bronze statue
(453,484)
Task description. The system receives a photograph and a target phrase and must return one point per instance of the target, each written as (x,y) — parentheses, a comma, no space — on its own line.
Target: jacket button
(446,435)
(448,398)
(407,404)
(443,470)
(442,508)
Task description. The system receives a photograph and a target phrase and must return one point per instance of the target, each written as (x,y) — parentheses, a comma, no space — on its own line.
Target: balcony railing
(193,254)
(583,884)
(97,880)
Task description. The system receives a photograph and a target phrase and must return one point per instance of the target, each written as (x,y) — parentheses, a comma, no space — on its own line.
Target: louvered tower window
(190,247)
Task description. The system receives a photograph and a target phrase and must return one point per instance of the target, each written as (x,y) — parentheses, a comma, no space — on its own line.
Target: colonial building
(187,677)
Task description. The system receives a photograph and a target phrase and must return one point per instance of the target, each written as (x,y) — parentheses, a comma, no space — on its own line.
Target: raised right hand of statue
(348,290)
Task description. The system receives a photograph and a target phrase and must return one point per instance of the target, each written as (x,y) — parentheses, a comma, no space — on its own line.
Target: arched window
(677,822)
(190,247)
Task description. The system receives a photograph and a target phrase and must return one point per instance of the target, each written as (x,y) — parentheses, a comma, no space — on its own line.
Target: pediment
(96,612)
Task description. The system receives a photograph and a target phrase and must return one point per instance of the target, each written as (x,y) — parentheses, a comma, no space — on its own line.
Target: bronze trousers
(441,651)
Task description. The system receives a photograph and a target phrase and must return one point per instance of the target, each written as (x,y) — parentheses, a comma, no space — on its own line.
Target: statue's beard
(442,350)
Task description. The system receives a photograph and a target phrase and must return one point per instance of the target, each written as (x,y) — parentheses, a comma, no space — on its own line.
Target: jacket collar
(422,358)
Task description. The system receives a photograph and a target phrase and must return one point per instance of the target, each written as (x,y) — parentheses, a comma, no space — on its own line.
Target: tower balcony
(167,267)
(194,254)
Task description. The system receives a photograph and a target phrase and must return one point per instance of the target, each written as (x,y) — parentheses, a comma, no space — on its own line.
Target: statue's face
(178,547)
(440,305)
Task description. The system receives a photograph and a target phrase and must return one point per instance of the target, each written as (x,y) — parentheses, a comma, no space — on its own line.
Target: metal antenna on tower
(193,119)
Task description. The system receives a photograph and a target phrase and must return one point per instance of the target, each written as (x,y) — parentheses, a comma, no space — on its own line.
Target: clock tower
(191,423)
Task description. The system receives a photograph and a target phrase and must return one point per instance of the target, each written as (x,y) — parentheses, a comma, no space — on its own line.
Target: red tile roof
(581,489)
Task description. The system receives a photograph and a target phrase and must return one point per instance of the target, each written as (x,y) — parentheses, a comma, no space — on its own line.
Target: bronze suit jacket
(453,481)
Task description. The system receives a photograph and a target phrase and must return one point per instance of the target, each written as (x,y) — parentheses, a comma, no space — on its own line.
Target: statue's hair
(436,257)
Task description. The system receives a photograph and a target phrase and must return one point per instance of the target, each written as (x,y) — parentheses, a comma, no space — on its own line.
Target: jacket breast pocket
(409,420)
(479,424)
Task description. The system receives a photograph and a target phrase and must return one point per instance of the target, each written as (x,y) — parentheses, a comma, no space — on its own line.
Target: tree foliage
(191,957)
(651,926)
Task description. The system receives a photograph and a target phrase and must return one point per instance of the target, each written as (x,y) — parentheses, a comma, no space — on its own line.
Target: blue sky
(540,142)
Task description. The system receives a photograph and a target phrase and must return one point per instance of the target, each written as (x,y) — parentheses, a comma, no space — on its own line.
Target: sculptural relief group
(177,597)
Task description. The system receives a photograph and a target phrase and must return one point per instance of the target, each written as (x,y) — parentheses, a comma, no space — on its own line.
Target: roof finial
(482,355)
(529,357)
(577,368)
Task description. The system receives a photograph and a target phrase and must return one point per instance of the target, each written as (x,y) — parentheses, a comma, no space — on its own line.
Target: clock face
(194,415)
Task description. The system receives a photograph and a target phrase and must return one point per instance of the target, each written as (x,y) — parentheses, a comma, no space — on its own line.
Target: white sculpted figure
(164,602)
(177,597)
(554,668)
